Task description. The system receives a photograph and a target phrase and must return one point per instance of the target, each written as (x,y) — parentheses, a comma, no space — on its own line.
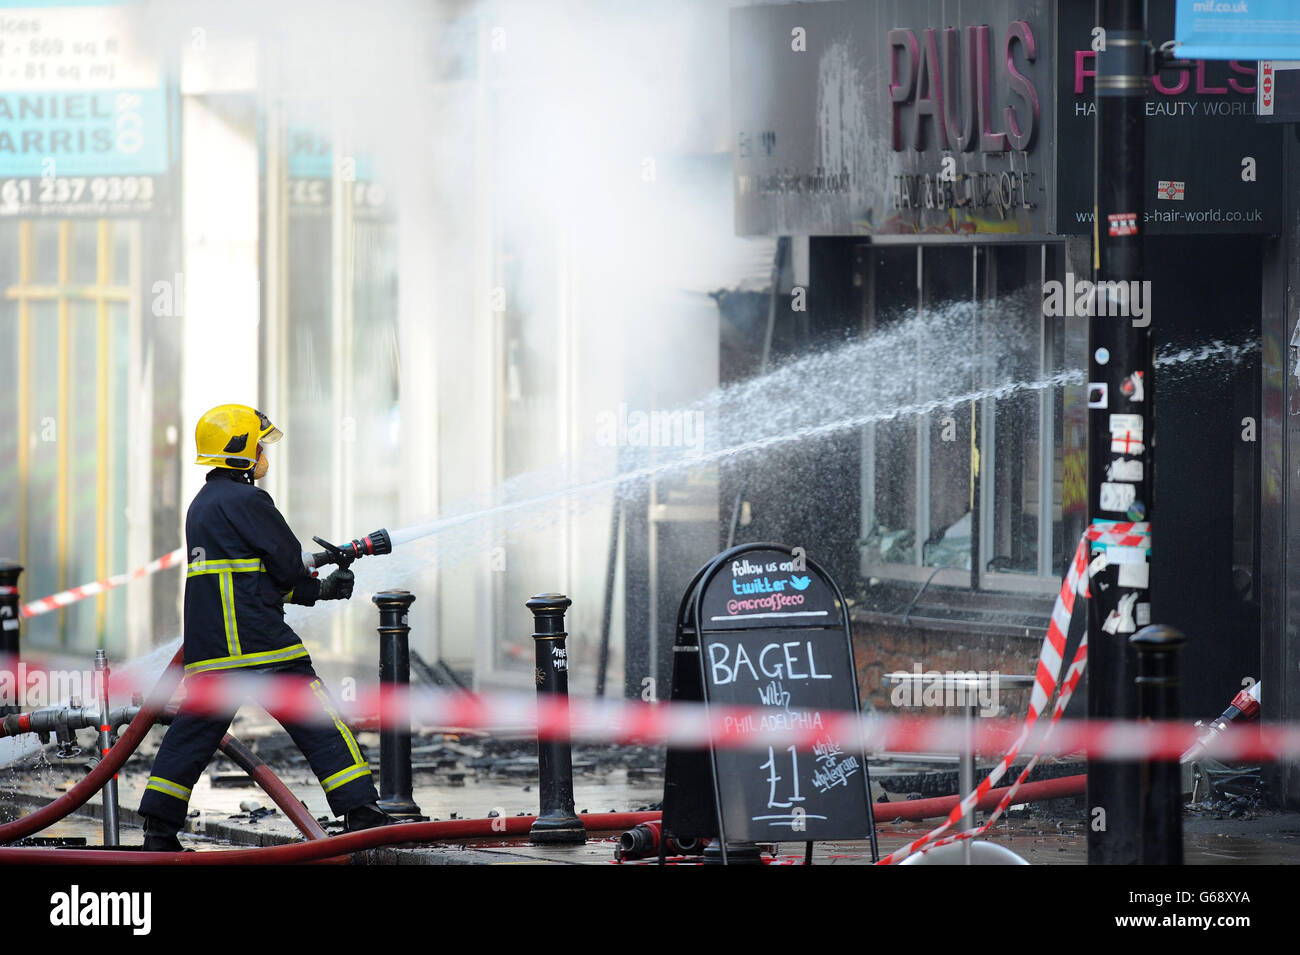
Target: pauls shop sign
(927,116)
(953,94)
(951,100)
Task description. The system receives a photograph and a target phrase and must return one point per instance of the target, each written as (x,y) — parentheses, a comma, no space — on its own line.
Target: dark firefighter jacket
(244,564)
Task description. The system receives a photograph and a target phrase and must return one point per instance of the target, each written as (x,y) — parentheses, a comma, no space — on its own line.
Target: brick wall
(883,648)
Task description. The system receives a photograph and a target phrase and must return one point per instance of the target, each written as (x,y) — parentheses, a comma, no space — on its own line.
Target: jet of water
(831,392)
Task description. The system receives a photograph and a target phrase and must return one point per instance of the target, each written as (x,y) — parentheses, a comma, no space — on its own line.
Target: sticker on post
(1098,396)
(1126,433)
(1143,614)
(1170,189)
(1123,469)
(1123,223)
(1098,563)
(1117,497)
(1132,386)
(1119,554)
(1120,620)
(1135,575)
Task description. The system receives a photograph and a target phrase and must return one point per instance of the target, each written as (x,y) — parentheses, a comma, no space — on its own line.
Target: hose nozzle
(376,542)
(1244,707)
(643,840)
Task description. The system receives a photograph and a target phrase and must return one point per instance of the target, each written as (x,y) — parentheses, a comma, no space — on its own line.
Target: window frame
(1044,580)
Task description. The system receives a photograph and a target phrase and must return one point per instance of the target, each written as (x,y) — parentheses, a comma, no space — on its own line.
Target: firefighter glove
(337,586)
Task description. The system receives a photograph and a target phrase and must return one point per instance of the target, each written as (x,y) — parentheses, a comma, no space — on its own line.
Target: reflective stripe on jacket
(244,562)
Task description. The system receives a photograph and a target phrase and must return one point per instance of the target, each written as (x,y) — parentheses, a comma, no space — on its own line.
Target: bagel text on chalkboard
(762,626)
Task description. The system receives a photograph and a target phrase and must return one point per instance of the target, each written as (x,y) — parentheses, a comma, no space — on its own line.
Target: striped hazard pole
(1046,674)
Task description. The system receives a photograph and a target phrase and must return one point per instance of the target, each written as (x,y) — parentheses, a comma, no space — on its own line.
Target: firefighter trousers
(192,739)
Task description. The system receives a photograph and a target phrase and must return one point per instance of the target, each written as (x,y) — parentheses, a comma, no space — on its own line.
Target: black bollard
(395,795)
(556,822)
(10,615)
(1160,806)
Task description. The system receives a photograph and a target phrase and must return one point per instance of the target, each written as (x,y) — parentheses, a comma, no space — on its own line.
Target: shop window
(947,299)
(69,317)
(890,452)
(339,385)
(986,483)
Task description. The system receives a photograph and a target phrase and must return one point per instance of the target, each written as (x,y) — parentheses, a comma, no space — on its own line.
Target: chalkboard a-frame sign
(763,626)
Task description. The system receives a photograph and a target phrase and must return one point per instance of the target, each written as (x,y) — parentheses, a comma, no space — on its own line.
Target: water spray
(841,412)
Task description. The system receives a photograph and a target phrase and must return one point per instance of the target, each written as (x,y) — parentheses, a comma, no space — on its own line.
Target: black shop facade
(926,170)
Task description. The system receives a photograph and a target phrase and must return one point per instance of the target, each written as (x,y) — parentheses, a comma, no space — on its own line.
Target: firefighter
(245,564)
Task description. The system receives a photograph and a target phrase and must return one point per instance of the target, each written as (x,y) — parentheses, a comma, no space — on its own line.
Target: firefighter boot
(367,817)
(160,836)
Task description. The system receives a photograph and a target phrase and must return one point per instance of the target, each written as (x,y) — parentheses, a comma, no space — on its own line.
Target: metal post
(395,796)
(105,744)
(556,822)
(966,773)
(1120,416)
(10,617)
(611,570)
(1160,800)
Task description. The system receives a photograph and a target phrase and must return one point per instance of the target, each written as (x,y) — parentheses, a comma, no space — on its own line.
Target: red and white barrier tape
(1108,533)
(1045,685)
(1067,690)
(72,595)
(736,727)
(1120,533)
(695,725)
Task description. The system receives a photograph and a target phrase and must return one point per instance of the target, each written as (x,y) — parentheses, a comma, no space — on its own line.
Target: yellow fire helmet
(228,435)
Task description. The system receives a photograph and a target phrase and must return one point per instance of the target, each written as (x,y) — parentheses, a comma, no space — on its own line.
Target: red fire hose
(334,846)
(76,797)
(272,785)
(915,809)
(321,849)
